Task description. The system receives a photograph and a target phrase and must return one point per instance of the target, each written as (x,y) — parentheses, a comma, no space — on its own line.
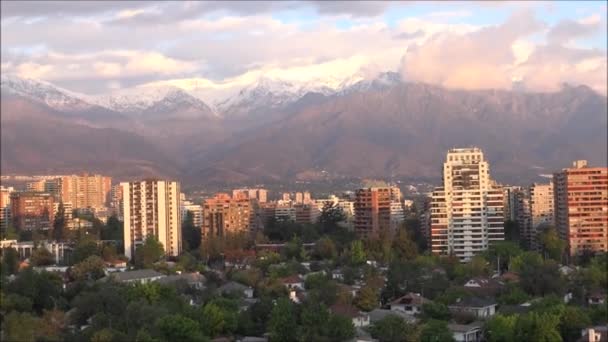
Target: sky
(215,48)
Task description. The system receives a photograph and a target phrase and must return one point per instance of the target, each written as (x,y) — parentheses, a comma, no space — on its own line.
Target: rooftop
(136,274)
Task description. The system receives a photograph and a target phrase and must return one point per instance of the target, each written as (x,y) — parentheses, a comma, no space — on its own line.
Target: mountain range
(279,130)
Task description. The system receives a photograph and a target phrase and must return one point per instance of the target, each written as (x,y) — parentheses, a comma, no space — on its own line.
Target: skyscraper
(581,207)
(541,210)
(467,212)
(32,210)
(152,208)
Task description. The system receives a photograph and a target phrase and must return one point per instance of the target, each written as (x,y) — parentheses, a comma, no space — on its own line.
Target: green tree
(393,328)
(367,298)
(340,328)
(85,248)
(179,328)
(42,257)
(435,310)
(20,327)
(43,288)
(59,223)
(113,229)
(283,322)
(357,253)
(325,248)
(552,246)
(537,327)
(91,268)
(10,233)
(403,246)
(216,319)
(435,331)
(331,215)
(109,253)
(314,319)
(149,253)
(571,322)
(10,261)
(500,328)
(191,235)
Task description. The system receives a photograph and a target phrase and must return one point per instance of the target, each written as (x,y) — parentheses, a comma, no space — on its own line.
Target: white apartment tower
(152,207)
(467,212)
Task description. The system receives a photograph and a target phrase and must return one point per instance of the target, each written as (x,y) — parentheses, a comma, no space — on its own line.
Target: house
(337,274)
(594,334)
(136,276)
(253,339)
(566,270)
(232,287)
(360,319)
(479,307)
(471,332)
(293,282)
(379,314)
(297,296)
(509,277)
(596,298)
(484,286)
(411,303)
(194,280)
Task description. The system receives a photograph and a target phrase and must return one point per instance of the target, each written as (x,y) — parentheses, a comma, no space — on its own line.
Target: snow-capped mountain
(140,99)
(382,81)
(46,93)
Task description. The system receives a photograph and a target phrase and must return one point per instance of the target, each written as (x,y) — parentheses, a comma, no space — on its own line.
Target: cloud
(567,30)
(409,35)
(451,14)
(495,56)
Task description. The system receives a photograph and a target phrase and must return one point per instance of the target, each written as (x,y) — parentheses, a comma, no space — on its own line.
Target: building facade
(223,215)
(259,194)
(581,207)
(86,191)
(152,208)
(373,210)
(32,210)
(467,212)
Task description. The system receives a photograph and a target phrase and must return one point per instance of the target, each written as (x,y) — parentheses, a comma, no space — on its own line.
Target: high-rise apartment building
(195,210)
(86,191)
(259,194)
(541,210)
(467,212)
(152,208)
(116,201)
(223,214)
(5,207)
(581,207)
(373,210)
(510,194)
(32,210)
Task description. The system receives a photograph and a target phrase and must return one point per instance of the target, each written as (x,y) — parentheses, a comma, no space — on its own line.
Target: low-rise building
(472,332)
(481,308)
(136,276)
(410,304)
(360,319)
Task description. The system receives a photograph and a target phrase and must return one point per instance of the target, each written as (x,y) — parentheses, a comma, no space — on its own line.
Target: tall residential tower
(467,212)
(152,207)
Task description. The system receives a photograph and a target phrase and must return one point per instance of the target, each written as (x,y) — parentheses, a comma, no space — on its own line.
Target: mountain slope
(36,139)
(405,130)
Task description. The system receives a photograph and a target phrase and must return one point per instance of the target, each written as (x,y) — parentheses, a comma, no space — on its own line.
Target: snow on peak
(45,92)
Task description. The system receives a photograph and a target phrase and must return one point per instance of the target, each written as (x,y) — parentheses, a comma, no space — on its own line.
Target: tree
(325,248)
(393,328)
(42,257)
(149,253)
(109,253)
(331,215)
(191,235)
(283,322)
(552,246)
(437,311)
(42,288)
(572,321)
(502,252)
(85,248)
(314,319)
(216,319)
(10,261)
(537,327)
(113,229)
(91,268)
(436,331)
(367,298)
(500,328)
(20,327)
(340,328)
(357,253)
(403,245)
(59,223)
(179,328)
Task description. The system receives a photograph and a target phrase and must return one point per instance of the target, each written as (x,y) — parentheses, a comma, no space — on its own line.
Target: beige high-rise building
(581,207)
(223,214)
(467,212)
(541,209)
(152,208)
(5,207)
(259,194)
(32,210)
(86,191)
